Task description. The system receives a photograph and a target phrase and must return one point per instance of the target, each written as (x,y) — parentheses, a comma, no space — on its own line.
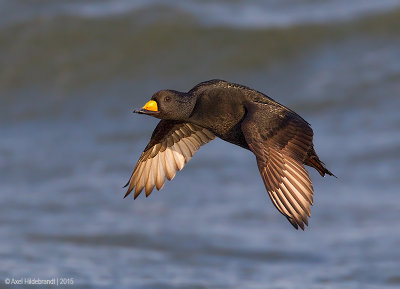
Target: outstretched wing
(171,146)
(281,145)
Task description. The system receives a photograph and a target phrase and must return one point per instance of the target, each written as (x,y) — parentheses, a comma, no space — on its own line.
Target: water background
(71,72)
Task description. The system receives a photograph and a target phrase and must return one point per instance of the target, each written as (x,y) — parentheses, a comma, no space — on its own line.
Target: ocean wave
(257,14)
(73,51)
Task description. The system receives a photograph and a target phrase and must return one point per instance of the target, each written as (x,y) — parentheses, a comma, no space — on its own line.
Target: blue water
(71,73)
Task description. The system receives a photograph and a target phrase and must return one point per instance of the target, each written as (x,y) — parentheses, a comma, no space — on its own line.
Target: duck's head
(169,105)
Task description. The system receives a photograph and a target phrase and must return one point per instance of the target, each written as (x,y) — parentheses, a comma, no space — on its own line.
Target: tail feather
(316,163)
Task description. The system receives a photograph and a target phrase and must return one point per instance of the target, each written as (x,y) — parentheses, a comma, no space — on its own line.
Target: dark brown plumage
(281,140)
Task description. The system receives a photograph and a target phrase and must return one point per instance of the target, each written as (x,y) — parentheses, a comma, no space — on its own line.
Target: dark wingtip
(293,223)
(298,224)
(127,194)
(126,184)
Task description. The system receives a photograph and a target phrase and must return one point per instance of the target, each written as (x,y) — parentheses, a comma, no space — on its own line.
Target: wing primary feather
(140,183)
(289,197)
(292,214)
(296,205)
(172,145)
(150,179)
(300,188)
(299,199)
(160,172)
(300,177)
(179,157)
(296,168)
(274,196)
(168,165)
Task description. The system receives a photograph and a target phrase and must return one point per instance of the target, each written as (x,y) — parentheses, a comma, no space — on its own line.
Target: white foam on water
(286,13)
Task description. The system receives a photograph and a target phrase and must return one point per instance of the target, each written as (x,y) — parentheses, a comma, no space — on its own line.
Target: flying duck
(281,140)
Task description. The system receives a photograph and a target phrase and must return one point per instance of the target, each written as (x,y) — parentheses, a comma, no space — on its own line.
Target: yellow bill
(151,105)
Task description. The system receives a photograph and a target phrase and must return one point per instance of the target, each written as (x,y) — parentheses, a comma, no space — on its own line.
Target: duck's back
(221,110)
(221,107)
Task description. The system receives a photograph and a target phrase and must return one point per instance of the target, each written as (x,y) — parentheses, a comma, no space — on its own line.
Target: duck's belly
(234,135)
(226,126)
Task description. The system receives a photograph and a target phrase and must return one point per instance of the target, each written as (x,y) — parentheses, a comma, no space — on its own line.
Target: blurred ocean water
(71,72)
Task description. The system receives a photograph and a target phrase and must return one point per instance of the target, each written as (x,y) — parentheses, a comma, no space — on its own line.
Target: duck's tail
(314,161)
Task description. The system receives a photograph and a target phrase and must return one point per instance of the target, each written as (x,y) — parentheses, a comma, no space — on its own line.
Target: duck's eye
(167,99)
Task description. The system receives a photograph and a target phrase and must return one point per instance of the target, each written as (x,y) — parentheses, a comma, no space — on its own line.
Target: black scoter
(281,140)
